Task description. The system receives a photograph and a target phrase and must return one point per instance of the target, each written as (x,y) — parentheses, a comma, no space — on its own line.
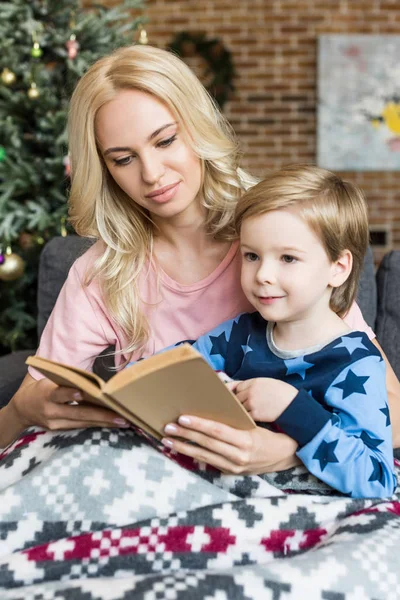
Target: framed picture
(359,102)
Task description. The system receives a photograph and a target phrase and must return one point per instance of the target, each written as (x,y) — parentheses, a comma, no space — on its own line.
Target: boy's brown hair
(334,209)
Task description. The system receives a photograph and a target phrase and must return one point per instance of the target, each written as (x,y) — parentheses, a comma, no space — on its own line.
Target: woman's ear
(341,269)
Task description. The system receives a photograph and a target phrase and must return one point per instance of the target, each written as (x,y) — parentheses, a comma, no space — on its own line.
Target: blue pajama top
(340,416)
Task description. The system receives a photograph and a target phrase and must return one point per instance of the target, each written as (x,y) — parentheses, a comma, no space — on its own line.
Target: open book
(156,391)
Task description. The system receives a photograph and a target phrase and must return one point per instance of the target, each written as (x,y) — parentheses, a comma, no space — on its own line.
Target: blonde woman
(155,179)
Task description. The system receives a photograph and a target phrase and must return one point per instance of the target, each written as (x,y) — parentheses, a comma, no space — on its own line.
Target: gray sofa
(55,261)
(378,298)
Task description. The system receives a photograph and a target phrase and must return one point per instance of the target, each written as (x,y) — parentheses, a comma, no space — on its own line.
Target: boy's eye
(250,256)
(287,258)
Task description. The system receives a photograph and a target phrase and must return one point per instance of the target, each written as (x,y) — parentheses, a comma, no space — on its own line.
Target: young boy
(303,237)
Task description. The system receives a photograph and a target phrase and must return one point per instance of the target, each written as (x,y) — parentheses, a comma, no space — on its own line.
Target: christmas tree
(46,45)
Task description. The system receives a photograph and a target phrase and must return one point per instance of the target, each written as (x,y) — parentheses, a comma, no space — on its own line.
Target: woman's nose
(152,169)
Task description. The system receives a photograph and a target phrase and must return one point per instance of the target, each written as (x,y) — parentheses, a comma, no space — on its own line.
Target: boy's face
(286,273)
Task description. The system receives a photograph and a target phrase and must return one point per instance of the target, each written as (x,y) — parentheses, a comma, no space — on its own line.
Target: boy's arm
(215,345)
(349,448)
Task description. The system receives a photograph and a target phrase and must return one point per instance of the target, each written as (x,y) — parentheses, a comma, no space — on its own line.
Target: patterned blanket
(104,514)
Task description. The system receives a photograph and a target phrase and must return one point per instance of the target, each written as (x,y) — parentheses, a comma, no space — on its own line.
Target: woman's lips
(164,194)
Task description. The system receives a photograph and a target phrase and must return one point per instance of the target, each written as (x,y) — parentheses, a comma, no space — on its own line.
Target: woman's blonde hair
(335,210)
(98,206)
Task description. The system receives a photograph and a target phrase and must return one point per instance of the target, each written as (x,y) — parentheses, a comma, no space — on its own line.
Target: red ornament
(72,47)
(67,166)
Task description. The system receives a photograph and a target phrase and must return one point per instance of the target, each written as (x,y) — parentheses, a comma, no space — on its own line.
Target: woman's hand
(264,398)
(44,404)
(232,450)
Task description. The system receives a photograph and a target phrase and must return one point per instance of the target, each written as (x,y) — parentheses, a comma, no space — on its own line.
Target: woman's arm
(393,391)
(47,405)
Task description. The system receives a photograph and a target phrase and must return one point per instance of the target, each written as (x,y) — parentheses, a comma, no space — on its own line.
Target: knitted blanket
(105,514)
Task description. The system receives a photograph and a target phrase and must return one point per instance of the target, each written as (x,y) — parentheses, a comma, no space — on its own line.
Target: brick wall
(274,46)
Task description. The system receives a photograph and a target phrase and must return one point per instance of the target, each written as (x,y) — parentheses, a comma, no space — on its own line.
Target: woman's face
(146,154)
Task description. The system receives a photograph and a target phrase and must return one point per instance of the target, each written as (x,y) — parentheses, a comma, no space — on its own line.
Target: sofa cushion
(367,293)
(56,260)
(388,314)
(13,369)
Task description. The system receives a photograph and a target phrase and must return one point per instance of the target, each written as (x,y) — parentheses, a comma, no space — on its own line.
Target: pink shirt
(79,327)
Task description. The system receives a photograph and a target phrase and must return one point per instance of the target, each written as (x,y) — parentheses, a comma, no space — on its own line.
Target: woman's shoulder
(79,277)
(86,261)
(355,321)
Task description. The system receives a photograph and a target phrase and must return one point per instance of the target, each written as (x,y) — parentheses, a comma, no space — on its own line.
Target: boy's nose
(266,274)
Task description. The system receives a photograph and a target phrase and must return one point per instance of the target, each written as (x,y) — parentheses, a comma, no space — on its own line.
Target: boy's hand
(264,398)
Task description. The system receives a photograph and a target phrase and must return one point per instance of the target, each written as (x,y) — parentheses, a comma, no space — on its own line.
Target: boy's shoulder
(351,346)
(357,340)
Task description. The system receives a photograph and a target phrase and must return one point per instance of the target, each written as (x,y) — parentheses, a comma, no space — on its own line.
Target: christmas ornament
(72,46)
(36,51)
(7,76)
(13,266)
(63,229)
(33,92)
(3,153)
(50,66)
(67,166)
(143,37)
(25,240)
(2,258)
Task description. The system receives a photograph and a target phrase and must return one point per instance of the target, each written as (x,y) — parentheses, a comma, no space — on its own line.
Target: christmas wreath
(220,71)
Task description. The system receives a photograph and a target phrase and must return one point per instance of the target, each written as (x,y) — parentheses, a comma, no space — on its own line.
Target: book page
(149,365)
(189,387)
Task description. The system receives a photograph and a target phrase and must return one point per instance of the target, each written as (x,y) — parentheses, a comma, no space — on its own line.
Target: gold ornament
(143,37)
(33,92)
(12,268)
(7,76)
(63,229)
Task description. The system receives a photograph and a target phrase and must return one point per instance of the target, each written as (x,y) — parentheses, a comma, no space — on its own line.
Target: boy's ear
(341,269)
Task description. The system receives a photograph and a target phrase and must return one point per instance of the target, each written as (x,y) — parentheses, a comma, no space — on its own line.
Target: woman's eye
(251,256)
(167,142)
(126,160)
(287,258)
(122,162)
